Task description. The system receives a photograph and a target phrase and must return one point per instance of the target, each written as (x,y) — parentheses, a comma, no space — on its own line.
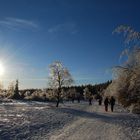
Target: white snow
(43,121)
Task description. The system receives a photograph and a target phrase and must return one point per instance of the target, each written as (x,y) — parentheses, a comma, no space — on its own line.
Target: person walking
(112,103)
(106,102)
(100,101)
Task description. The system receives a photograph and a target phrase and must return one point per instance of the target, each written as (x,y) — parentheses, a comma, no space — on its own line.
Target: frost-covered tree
(10,90)
(71,93)
(59,77)
(88,95)
(2,93)
(126,83)
(1,87)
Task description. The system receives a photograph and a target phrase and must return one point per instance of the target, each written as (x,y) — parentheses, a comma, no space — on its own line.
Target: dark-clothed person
(100,101)
(106,102)
(112,103)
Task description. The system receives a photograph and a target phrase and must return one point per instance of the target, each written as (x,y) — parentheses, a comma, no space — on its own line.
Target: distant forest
(68,93)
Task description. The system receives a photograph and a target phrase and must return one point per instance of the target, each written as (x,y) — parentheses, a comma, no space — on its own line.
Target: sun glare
(2,70)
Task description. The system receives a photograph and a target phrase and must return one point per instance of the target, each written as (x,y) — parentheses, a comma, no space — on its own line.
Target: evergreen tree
(16,91)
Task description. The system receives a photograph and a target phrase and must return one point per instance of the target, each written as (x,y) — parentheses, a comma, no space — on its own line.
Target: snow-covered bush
(36,96)
(71,94)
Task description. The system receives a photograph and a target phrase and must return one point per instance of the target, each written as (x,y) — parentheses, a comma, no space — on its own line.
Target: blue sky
(34,33)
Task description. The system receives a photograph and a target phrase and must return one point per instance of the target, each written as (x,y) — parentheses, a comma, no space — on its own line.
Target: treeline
(70,93)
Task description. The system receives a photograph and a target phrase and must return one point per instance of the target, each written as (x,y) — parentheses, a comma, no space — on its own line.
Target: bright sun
(2,70)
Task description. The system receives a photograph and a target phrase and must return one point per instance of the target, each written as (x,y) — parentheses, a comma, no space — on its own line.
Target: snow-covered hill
(42,121)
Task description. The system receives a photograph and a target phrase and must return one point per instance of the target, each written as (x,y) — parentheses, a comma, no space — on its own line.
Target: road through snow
(96,124)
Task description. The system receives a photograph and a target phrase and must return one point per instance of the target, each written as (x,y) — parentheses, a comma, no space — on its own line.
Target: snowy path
(95,124)
(42,121)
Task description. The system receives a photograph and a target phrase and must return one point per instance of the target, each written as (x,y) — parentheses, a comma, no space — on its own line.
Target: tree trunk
(58,97)
(57,104)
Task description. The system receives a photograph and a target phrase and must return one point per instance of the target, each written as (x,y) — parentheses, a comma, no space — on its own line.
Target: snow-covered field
(43,121)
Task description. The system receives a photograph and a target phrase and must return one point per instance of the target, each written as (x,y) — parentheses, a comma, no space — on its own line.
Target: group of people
(107,102)
(110,101)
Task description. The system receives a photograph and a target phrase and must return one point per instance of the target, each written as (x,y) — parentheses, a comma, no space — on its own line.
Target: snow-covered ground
(43,121)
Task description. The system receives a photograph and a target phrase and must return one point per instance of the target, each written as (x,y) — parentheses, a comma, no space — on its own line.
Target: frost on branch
(126,83)
(129,33)
(59,77)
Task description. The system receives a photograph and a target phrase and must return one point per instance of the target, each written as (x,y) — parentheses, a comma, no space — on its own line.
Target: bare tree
(58,78)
